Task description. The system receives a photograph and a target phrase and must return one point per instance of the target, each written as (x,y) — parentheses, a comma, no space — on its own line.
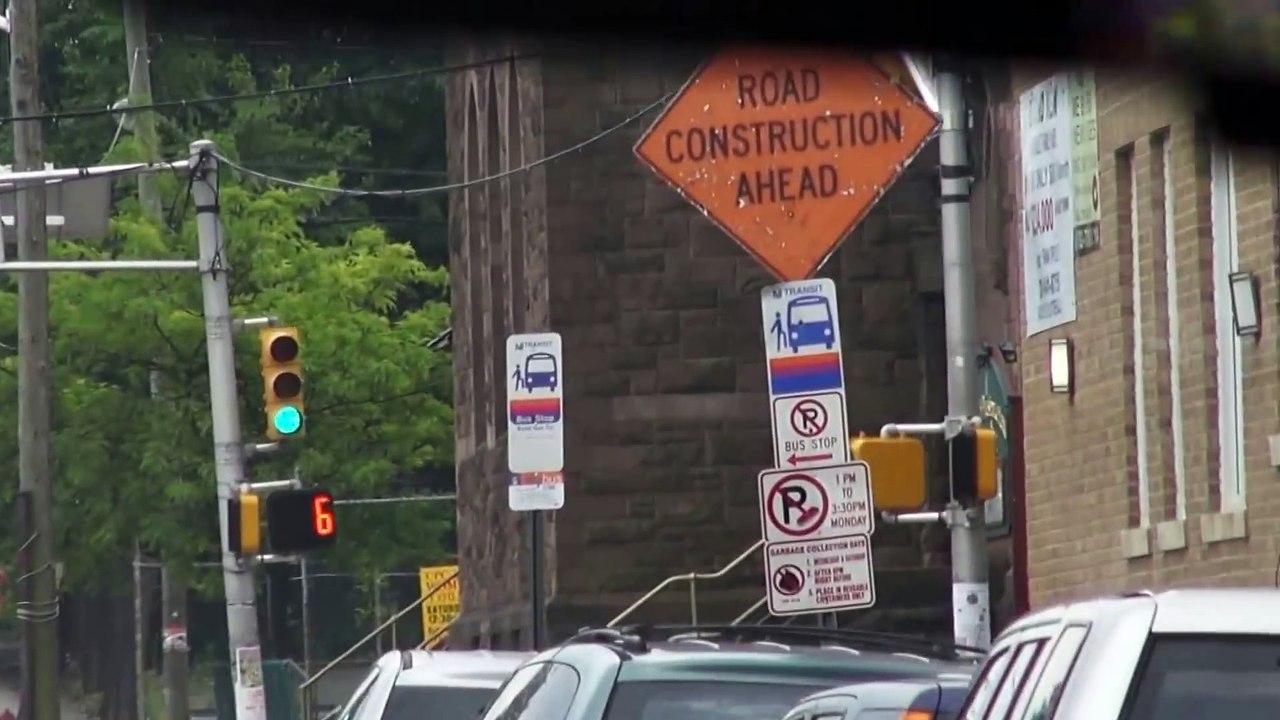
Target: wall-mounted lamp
(1009,352)
(1060,366)
(1244,304)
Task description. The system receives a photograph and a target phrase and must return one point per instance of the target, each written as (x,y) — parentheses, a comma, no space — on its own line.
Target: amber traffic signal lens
(287,385)
(284,349)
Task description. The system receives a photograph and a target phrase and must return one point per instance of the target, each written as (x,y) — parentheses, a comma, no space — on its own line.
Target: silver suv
(1174,655)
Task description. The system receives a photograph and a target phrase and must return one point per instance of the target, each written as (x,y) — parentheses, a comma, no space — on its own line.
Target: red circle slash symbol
(788,580)
(798,505)
(808,418)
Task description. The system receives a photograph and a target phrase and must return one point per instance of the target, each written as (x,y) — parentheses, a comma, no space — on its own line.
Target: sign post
(535,445)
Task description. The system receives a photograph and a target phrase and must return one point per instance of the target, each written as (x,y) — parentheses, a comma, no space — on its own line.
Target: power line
(214,99)
(335,44)
(414,192)
(354,170)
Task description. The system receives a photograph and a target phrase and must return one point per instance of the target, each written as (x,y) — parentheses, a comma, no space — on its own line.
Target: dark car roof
(764,654)
(891,688)
(780,662)
(898,694)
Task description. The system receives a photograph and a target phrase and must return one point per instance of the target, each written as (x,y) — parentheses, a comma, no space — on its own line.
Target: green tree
(360,276)
(129,467)
(110,330)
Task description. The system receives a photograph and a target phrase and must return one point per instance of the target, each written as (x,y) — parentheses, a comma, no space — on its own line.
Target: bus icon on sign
(809,323)
(541,371)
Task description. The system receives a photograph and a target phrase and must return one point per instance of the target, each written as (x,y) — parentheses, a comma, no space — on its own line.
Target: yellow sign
(443,607)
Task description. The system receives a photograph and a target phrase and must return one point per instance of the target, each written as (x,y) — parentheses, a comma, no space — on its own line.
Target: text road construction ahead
(787,149)
(793,172)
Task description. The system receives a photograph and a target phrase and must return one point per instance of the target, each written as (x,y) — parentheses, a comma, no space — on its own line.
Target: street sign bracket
(949,428)
(96,265)
(254,323)
(269,485)
(936,517)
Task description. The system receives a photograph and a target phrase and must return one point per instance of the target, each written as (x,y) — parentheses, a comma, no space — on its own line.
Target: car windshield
(419,702)
(1203,678)
(704,700)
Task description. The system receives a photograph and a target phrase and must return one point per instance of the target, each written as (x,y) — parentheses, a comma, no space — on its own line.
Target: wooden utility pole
(39,608)
(173,586)
(144,127)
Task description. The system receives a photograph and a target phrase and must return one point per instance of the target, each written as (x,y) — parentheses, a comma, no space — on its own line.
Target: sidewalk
(9,701)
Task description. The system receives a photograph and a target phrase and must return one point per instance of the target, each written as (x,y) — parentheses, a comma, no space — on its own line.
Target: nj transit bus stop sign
(535,421)
(806,373)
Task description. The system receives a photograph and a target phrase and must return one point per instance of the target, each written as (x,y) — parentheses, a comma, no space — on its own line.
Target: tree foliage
(367,295)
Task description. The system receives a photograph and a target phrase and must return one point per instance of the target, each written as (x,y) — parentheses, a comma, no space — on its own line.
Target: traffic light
(974,465)
(301,520)
(282,382)
(897,470)
(244,526)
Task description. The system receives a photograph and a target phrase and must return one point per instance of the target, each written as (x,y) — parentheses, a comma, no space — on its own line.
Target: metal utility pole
(306,618)
(537,562)
(228,447)
(139,638)
(39,605)
(970,592)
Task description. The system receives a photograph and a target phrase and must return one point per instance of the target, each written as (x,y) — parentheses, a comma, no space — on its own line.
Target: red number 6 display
(322,514)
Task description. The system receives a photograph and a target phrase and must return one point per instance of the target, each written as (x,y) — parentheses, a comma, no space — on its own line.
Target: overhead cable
(419,191)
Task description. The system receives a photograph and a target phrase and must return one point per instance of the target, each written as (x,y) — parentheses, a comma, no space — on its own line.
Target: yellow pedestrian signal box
(282,395)
(897,470)
(244,526)
(974,465)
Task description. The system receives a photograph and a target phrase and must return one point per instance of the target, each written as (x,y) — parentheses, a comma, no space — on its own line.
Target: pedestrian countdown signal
(300,520)
(281,361)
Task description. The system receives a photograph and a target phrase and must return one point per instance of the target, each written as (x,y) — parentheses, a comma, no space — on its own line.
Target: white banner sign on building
(1048,222)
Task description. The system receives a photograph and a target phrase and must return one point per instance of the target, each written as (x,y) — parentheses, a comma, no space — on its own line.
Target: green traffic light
(287,421)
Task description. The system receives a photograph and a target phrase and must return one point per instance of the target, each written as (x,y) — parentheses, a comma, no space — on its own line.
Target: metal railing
(307,687)
(692,578)
(751,610)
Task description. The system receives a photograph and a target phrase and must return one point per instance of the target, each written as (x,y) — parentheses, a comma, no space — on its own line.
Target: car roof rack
(869,640)
(628,640)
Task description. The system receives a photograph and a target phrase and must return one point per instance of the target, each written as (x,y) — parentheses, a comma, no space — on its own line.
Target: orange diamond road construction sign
(787,150)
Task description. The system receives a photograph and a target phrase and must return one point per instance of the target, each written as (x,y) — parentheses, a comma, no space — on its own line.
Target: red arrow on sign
(797,459)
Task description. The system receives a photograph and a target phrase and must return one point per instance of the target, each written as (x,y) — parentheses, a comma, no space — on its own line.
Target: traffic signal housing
(897,470)
(282,386)
(301,520)
(244,525)
(974,465)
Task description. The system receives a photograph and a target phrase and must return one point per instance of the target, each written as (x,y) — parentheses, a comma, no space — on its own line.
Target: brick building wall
(666,404)
(1139,480)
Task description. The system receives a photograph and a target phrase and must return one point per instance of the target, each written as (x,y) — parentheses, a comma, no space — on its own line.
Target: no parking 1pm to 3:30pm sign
(817,524)
(535,421)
